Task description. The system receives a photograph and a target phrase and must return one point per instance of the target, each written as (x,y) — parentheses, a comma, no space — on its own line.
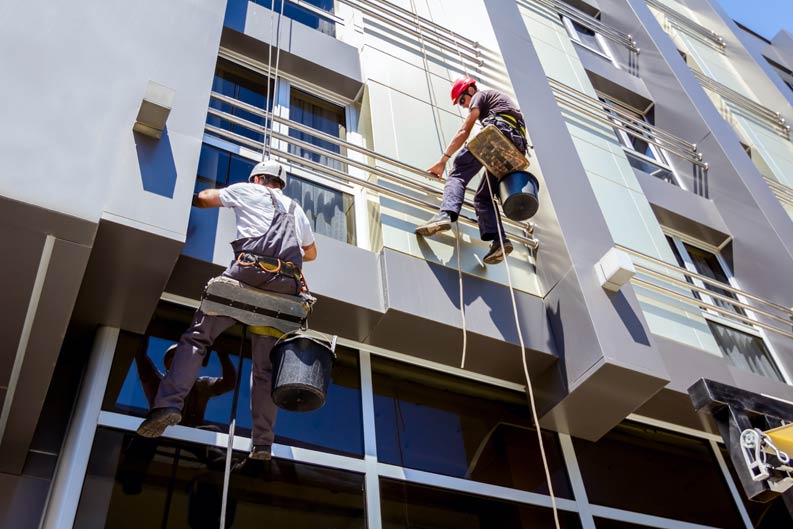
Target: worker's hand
(437,170)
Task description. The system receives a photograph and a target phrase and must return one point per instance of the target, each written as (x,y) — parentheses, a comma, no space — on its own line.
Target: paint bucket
(518,192)
(302,364)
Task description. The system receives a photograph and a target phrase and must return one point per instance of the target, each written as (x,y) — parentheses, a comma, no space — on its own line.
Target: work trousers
(194,345)
(464,169)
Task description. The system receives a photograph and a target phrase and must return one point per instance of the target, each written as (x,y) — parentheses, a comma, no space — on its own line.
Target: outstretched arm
(457,142)
(208,198)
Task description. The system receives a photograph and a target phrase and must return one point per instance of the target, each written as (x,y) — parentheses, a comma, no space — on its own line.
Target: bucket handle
(330,338)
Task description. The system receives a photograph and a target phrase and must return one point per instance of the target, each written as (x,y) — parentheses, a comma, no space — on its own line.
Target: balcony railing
(775,317)
(618,118)
(684,22)
(607,31)
(518,231)
(783,193)
(756,109)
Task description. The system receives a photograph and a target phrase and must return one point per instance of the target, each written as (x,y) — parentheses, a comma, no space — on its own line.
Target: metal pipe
(701,304)
(739,98)
(684,21)
(704,279)
(592,23)
(345,179)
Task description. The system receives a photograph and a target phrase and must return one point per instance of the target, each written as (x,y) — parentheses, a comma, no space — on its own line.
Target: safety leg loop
(523,357)
(232,428)
(462,298)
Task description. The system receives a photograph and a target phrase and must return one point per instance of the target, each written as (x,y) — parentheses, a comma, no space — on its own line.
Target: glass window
(134,482)
(744,351)
(243,85)
(417,506)
(438,423)
(652,471)
(305,16)
(771,515)
(139,365)
(329,211)
(582,34)
(319,115)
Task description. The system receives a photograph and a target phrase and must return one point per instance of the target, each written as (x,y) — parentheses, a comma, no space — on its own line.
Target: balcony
(674,19)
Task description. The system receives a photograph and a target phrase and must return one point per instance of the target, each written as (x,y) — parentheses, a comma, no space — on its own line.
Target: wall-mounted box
(154,110)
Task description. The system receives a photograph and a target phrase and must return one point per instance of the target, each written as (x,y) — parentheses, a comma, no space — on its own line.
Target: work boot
(495,255)
(158,420)
(440,222)
(261,452)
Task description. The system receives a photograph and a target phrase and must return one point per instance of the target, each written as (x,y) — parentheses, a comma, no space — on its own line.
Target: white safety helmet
(269,168)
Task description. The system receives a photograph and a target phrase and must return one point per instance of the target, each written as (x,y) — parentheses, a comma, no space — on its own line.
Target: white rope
(266,146)
(523,357)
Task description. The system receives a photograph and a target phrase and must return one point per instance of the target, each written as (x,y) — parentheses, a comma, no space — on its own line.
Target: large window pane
(305,16)
(243,85)
(434,422)
(319,115)
(329,211)
(135,483)
(708,265)
(407,505)
(647,470)
(744,351)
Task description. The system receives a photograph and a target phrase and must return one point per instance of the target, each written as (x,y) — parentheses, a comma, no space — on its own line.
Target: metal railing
(518,233)
(684,22)
(783,193)
(421,28)
(775,118)
(599,27)
(622,119)
(778,319)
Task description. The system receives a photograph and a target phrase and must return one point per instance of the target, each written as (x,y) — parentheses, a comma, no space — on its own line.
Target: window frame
(604,51)
(678,240)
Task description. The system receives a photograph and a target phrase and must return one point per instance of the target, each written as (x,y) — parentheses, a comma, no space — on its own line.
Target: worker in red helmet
(488,107)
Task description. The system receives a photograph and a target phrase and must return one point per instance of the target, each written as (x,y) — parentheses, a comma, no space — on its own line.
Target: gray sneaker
(495,255)
(158,420)
(261,452)
(440,222)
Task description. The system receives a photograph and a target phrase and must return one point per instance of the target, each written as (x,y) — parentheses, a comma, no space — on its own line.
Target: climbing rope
(267,141)
(529,387)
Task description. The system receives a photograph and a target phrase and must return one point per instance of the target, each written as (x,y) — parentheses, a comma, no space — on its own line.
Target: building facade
(658,128)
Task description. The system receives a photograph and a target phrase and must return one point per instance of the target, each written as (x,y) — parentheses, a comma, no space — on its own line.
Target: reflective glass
(640,165)
(304,16)
(319,115)
(438,423)
(135,483)
(329,211)
(745,351)
(586,36)
(647,470)
(408,505)
(243,85)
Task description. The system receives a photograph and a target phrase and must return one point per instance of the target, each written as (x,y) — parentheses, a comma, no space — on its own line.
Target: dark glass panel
(745,351)
(305,16)
(407,505)
(647,470)
(438,423)
(134,482)
(319,115)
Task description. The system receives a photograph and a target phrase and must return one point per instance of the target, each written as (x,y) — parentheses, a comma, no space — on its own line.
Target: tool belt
(272,265)
(512,121)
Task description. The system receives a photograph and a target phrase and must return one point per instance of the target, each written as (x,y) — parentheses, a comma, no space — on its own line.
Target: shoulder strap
(292,206)
(272,197)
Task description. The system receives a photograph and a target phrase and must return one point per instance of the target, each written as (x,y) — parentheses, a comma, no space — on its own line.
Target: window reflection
(135,483)
(336,427)
(319,115)
(657,472)
(243,85)
(406,505)
(438,423)
(305,16)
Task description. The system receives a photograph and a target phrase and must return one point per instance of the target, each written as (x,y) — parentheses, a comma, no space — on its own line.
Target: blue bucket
(518,192)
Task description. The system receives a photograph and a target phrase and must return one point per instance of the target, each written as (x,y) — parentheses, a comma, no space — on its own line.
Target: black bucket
(302,364)
(518,192)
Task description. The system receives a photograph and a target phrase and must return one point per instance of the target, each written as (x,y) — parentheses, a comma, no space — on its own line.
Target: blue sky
(765,17)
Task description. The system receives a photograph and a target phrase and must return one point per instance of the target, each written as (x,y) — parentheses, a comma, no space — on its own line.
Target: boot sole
(426,231)
(497,257)
(155,428)
(261,456)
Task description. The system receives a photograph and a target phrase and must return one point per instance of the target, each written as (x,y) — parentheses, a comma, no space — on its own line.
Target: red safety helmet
(460,86)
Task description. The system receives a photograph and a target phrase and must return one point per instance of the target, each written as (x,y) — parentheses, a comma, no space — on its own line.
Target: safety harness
(274,265)
(512,121)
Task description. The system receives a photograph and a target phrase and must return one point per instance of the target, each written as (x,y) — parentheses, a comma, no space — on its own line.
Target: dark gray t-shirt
(492,102)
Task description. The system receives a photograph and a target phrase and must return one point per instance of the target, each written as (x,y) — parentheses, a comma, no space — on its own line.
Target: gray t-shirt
(492,102)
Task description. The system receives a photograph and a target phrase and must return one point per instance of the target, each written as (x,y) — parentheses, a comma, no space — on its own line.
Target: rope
(266,145)
(525,366)
(232,428)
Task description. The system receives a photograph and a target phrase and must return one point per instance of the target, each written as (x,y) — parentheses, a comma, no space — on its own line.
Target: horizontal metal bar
(707,292)
(705,279)
(701,304)
(343,178)
(783,193)
(592,23)
(602,106)
(431,36)
(610,122)
(317,11)
(685,21)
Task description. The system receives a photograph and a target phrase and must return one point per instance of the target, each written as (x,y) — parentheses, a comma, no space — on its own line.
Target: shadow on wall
(157,166)
(629,318)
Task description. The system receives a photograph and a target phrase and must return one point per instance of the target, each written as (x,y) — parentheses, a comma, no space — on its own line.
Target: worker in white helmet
(274,238)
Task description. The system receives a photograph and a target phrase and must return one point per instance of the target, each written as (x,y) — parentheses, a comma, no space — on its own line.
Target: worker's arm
(457,142)
(208,198)
(310,252)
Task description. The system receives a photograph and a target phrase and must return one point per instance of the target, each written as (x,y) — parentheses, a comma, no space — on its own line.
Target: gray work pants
(189,355)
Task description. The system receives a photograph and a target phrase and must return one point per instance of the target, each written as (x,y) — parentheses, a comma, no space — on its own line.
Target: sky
(765,17)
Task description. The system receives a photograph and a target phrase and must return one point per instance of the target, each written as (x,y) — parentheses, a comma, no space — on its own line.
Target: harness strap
(514,122)
(292,206)
(272,197)
(274,266)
